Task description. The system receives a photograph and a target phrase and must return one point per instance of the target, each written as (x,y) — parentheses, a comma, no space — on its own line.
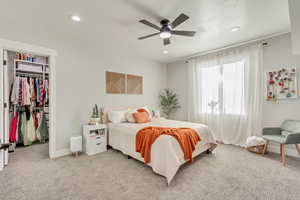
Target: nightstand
(94,139)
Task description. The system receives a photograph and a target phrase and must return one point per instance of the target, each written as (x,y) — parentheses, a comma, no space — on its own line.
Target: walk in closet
(27,94)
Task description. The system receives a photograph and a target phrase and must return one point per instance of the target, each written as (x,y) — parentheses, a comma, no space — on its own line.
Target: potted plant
(169,102)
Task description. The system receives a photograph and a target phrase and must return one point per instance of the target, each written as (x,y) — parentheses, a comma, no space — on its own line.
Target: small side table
(94,139)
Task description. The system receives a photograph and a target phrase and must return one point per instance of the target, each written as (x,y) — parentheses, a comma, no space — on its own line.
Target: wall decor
(281,84)
(120,83)
(115,83)
(134,84)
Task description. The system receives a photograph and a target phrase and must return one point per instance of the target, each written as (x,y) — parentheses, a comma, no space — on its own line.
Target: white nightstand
(94,139)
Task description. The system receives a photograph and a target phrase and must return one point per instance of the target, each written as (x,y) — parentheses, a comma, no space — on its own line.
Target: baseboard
(60,153)
(289,149)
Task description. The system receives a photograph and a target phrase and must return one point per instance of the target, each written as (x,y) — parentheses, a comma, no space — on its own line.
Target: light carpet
(230,173)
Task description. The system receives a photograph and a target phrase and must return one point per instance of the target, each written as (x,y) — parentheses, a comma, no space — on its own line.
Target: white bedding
(166,153)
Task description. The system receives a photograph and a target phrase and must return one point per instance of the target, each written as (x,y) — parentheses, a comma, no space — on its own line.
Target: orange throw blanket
(186,137)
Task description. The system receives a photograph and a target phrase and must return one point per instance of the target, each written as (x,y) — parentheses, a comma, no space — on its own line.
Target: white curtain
(225,92)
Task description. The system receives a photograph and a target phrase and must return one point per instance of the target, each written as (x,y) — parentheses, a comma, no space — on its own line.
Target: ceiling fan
(167,29)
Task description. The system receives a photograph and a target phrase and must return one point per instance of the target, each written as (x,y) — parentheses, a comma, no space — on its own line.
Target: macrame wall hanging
(282,84)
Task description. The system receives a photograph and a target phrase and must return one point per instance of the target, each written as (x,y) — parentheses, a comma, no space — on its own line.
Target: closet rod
(29,72)
(30,75)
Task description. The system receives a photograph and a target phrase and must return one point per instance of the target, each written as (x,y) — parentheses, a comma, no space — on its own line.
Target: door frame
(51,54)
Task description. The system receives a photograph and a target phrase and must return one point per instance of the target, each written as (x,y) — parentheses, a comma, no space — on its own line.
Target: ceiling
(117,21)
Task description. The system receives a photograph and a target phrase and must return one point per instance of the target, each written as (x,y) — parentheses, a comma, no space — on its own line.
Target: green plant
(168,102)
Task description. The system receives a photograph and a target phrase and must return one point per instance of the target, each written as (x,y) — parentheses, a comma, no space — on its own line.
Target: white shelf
(29,62)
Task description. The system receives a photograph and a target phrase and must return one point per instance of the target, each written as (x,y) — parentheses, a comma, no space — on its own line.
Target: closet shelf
(29,62)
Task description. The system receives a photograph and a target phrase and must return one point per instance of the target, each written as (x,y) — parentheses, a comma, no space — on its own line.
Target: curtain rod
(261,39)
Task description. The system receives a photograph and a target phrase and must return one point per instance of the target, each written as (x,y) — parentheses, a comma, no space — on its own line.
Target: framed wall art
(115,83)
(281,84)
(134,84)
(120,83)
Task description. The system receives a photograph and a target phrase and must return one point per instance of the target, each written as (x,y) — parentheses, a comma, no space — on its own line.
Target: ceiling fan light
(165,35)
(75,18)
(236,28)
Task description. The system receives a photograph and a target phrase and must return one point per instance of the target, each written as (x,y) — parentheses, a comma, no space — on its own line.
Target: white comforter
(166,153)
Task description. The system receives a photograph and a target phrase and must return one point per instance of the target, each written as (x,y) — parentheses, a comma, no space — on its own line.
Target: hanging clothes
(37,90)
(21,102)
(47,91)
(36,126)
(27,112)
(43,128)
(31,135)
(19,131)
(24,128)
(39,120)
(41,90)
(27,93)
(28,124)
(14,98)
(35,119)
(32,90)
(13,128)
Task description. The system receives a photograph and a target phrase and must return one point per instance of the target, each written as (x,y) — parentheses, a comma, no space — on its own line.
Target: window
(222,89)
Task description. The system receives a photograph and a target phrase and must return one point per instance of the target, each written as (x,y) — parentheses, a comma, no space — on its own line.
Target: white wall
(80,78)
(277,55)
(177,81)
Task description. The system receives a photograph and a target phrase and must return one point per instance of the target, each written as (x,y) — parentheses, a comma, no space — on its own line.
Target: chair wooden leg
(280,152)
(283,154)
(298,149)
(265,148)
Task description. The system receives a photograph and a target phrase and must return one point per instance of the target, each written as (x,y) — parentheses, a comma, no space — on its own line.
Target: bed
(166,153)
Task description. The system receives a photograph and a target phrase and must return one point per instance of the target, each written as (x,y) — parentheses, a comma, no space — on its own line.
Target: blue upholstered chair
(287,133)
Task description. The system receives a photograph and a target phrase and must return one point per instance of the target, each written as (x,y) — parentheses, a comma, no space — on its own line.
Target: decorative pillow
(117,116)
(145,109)
(141,117)
(129,116)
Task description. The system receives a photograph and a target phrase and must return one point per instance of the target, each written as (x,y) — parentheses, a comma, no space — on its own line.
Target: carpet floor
(229,173)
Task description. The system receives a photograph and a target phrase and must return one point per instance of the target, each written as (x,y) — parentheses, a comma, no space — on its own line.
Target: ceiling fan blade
(179,20)
(167,41)
(143,21)
(184,33)
(147,36)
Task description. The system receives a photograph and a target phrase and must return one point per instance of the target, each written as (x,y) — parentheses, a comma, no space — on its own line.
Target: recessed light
(236,28)
(75,18)
(165,52)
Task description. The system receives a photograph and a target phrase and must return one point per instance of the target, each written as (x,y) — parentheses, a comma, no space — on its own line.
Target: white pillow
(117,116)
(129,116)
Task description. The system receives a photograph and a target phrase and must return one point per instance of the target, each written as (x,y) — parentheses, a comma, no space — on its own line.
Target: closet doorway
(27,92)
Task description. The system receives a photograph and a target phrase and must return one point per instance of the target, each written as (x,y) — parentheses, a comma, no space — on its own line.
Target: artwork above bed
(115,83)
(281,84)
(120,83)
(134,84)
